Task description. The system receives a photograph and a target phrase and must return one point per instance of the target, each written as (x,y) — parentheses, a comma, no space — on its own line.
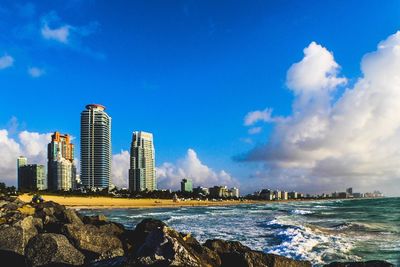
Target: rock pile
(48,234)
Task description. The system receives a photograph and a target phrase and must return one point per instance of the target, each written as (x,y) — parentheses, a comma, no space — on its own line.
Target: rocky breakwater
(48,234)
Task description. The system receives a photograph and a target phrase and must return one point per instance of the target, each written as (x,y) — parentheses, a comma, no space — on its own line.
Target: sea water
(318,231)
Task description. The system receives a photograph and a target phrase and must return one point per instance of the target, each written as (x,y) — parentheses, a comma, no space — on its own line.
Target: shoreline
(100,202)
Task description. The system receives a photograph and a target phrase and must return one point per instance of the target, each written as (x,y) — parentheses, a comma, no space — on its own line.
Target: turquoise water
(319,231)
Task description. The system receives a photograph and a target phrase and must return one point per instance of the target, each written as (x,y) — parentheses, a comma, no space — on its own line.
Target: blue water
(318,231)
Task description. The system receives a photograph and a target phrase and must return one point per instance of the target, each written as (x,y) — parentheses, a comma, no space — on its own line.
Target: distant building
(95,147)
(61,171)
(31,177)
(201,191)
(349,191)
(284,195)
(277,195)
(186,185)
(292,195)
(234,192)
(267,194)
(21,161)
(219,191)
(142,173)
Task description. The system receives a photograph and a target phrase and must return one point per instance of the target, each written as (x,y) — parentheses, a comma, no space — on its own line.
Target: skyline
(232,80)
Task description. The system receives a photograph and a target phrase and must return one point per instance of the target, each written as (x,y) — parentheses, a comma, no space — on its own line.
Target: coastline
(94,202)
(99,202)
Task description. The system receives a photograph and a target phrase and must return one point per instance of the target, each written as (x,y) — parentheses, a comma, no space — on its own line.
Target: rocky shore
(49,234)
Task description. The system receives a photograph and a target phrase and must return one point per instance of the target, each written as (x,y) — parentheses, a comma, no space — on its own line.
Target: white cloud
(255,130)
(29,144)
(59,34)
(329,144)
(169,175)
(120,169)
(258,115)
(316,71)
(35,72)
(6,61)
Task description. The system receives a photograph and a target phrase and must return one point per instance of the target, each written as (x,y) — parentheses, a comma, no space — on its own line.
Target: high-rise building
(95,147)
(31,177)
(142,173)
(21,161)
(186,185)
(61,171)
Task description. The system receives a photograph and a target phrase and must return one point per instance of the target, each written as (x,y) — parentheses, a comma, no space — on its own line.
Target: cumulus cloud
(6,61)
(329,143)
(120,169)
(60,34)
(316,71)
(169,175)
(29,144)
(35,72)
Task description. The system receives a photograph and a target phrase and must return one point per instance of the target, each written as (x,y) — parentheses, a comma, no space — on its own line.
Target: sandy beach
(109,202)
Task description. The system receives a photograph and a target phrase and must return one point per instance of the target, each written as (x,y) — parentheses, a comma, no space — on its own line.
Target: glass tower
(142,173)
(95,147)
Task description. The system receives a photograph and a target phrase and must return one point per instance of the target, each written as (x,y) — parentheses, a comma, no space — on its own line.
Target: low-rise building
(201,191)
(292,195)
(267,194)
(234,192)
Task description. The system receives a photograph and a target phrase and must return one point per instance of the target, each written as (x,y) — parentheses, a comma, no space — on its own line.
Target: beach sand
(109,202)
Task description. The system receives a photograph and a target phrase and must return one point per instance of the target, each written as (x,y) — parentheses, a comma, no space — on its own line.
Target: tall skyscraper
(95,147)
(142,173)
(21,161)
(31,177)
(61,171)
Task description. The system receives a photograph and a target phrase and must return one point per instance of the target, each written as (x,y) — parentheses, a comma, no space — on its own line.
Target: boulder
(159,245)
(360,264)
(16,237)
(95,220)
(27,209)
(95,243)
(209,257)
(70,216)
(233,253)
(52,249)
(112,228)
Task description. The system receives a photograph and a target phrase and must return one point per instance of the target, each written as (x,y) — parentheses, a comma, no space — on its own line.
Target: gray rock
(70,216)
(3,203)
(51,249)
(159,245)
(16,237)
(90,239)
(360,264)
(233,253)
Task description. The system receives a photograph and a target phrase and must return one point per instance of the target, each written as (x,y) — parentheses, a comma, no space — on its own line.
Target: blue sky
(188,71)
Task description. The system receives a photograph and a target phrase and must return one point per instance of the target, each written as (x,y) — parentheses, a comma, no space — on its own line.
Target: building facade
(142,173)
(95,147)
(31,177)
(61,171)
(186,185)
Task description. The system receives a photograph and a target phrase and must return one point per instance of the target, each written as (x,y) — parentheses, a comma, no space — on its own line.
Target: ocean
(318,231)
